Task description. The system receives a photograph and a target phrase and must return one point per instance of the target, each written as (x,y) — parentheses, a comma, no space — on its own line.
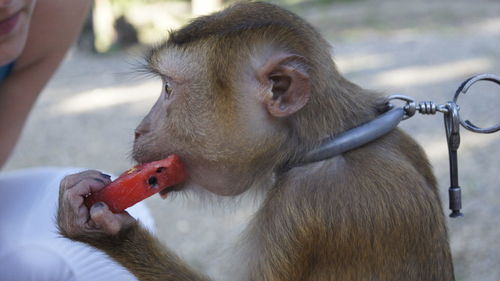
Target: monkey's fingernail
(99,180)
(98,205)
(106,176)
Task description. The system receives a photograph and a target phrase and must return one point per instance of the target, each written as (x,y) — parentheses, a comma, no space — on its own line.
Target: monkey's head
(244,91)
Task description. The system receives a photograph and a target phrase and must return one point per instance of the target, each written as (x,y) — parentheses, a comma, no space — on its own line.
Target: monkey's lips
(174,188)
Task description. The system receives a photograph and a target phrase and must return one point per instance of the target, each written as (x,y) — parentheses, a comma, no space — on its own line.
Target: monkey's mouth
(174,188)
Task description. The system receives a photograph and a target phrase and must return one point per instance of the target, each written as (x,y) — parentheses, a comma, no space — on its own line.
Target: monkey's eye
(168,90)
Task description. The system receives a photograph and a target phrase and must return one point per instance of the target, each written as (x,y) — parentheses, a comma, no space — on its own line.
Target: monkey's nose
(137,134)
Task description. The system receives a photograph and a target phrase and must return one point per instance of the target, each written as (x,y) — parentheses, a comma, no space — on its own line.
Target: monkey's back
(374,213)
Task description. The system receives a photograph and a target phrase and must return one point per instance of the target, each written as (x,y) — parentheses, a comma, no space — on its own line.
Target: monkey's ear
(286,81)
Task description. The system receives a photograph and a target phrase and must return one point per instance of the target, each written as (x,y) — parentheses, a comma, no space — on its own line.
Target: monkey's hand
(76,221)
(118,235)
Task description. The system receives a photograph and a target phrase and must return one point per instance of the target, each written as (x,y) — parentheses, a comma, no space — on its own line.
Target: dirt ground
(424,49)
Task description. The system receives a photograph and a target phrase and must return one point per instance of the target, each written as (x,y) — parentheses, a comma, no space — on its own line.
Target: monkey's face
(225,132)
(187,120)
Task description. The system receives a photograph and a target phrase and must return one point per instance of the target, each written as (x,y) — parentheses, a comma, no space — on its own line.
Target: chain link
(431,108)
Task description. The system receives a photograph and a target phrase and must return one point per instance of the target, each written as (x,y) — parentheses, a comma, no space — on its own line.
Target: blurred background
(87,114)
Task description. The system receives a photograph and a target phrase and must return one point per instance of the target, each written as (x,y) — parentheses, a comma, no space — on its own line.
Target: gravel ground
(423,49)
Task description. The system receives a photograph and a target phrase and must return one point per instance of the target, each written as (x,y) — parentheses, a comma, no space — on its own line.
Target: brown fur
(373,213)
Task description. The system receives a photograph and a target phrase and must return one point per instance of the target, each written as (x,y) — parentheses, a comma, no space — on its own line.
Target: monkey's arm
(275,237)
(143,255)
(119,235)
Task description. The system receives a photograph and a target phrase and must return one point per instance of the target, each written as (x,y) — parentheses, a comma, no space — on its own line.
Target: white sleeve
(34,263)
(30,246)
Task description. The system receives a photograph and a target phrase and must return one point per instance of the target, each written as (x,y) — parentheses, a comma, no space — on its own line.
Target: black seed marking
(153,181)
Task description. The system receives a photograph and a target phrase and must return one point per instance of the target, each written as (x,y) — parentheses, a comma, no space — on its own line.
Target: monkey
(247,92)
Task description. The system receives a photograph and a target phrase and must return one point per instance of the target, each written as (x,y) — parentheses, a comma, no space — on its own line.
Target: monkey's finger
(109,222)
(75,195)
(71,220)
(71,180)
(126,219)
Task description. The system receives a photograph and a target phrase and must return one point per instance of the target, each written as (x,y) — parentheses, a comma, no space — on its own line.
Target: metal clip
(452,122)
(452,127)
(423,107)
(409,108)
